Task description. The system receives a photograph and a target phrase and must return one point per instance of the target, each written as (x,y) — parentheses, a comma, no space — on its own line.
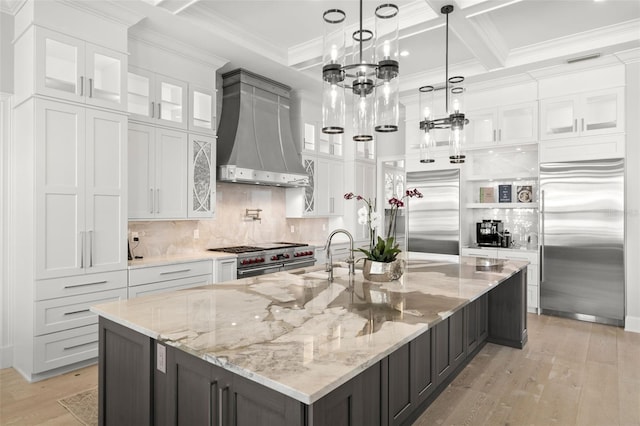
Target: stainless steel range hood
(255,144)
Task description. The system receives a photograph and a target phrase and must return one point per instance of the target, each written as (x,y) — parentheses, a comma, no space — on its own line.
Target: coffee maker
(489,233)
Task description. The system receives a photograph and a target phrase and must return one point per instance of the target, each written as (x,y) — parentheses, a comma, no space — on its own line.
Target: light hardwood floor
(570,373)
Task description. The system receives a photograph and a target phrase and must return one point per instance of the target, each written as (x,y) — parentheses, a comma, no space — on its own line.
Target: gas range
(270,257)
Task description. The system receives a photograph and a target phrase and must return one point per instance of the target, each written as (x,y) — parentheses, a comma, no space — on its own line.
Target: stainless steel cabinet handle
(153,109)
(494,135)
(175,272)
(91,249)
(77,312)
(81,86)
(81,249)
(66,348)
(582,125)
(151,202)
(91,88)
(158,200)
(575,124)
(159,110)
(541,236)
(86,284)
(500,134)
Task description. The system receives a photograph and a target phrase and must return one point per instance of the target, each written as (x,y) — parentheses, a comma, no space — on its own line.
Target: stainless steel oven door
(299,264)
(260,270)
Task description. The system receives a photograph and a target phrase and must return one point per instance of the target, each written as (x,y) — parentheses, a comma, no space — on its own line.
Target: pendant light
(371,77)
(454,102)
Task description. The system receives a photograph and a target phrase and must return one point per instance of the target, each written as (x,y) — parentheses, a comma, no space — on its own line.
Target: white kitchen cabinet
(81,219)
(512,124)
(324,195)
(202,176)
(202,109)
(72,69)
(584,114)
(157,99)
(225,270)
(157,173)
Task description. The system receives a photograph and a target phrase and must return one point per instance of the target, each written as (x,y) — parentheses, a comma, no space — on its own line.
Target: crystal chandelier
(455,120)
(372,76)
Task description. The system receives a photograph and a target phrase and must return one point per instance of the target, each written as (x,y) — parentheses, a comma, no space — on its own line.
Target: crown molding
(171,45)
(110,10)
(11,7)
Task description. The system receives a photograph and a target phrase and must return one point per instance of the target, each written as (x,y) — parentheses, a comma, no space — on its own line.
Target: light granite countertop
(299,334)
(179,258)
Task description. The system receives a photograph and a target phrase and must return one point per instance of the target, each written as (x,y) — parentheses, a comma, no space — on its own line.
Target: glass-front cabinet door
(202,109)
(481,129)
(518,123)
(139,94)
(602,112)
(202,178)
(105,73)
(60,65)
(558,117)
(171,97)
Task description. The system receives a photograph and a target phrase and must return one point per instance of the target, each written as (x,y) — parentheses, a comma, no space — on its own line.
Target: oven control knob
(261,259)
(274,257)
(244,261)
(286,256)
(249,261)
(296,254)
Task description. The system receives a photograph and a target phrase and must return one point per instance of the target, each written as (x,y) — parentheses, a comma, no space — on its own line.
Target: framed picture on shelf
(524,193)
(504,193)
(487,194)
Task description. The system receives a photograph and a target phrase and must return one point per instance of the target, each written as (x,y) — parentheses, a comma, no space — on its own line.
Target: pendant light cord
(360,33)
(446,67)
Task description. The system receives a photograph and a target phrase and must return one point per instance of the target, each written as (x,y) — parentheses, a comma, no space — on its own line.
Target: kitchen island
(292,348)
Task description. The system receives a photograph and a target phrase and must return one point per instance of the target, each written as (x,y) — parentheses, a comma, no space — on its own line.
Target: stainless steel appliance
(582,240)
(433,222)
(489,233)
(273,257)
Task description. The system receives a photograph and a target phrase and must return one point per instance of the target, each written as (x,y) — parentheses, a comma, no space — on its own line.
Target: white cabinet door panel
(141,171)
(60,189)
(171,174)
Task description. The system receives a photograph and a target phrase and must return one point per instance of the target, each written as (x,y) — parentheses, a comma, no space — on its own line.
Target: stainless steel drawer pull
(91,88)
(175,272)
(153,109)
(86,284)
(77,312)
(81,86)
(66,348)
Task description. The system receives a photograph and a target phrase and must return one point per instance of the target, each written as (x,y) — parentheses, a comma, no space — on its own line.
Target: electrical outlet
(196,234)
(134,235)
(161,358)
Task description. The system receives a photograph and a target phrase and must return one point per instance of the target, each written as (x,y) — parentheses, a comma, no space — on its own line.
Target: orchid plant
(381,249)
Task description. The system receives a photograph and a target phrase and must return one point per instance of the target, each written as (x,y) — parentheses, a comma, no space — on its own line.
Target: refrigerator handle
(541,236)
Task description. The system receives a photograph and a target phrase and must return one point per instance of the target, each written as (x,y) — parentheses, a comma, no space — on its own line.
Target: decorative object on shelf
(372,76)
(504,193)
(487,194)
(455,120)
(381,263)
(524,193)
(253,214)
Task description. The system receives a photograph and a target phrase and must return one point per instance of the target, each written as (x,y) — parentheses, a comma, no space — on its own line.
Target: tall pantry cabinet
(70,182)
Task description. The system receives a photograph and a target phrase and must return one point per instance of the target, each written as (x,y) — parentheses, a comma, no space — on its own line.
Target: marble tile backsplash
(229,227)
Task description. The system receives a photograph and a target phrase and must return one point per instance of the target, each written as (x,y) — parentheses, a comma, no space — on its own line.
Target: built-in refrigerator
(433,222)
(582,240)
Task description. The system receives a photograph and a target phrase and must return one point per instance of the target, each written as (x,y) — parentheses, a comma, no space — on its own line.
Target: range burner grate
(237,249)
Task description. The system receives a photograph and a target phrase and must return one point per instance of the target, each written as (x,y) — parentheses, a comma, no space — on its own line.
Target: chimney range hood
(255,144)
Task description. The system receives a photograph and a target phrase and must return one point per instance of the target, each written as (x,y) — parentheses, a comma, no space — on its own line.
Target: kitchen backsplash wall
(229,227)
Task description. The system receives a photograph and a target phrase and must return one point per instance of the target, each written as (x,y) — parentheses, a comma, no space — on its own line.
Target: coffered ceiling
(282,39)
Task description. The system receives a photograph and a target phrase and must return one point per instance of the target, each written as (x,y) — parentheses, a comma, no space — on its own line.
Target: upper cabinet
(202,109)
(157,99)
(72,69)
(583,114)
(512,124)
(202,177)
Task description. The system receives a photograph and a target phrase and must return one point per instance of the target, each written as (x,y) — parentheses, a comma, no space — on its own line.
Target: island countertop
(298,333)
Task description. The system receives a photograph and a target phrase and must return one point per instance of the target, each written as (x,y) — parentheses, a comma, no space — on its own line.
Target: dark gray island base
(144,381)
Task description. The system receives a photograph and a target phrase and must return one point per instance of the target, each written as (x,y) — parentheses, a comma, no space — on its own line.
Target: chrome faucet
(350,260)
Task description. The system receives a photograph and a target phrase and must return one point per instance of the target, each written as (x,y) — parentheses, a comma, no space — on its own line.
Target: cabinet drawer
(173,271)
(80,284)
(65,347)
(160,287)
(71,312)
(479,252)
(515,255)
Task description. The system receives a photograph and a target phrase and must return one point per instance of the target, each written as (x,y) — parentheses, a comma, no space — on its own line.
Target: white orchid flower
(375,220)
(363,216)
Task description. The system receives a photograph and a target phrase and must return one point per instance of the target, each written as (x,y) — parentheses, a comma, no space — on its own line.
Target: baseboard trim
(6,357)
(632,324)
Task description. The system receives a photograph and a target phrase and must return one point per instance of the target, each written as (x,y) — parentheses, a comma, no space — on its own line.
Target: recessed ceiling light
(404,53)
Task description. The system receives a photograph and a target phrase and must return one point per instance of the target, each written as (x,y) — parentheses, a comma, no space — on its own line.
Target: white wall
(6,53)
(632,95)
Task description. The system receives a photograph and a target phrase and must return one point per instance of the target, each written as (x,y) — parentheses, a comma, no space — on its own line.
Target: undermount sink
(338,272)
